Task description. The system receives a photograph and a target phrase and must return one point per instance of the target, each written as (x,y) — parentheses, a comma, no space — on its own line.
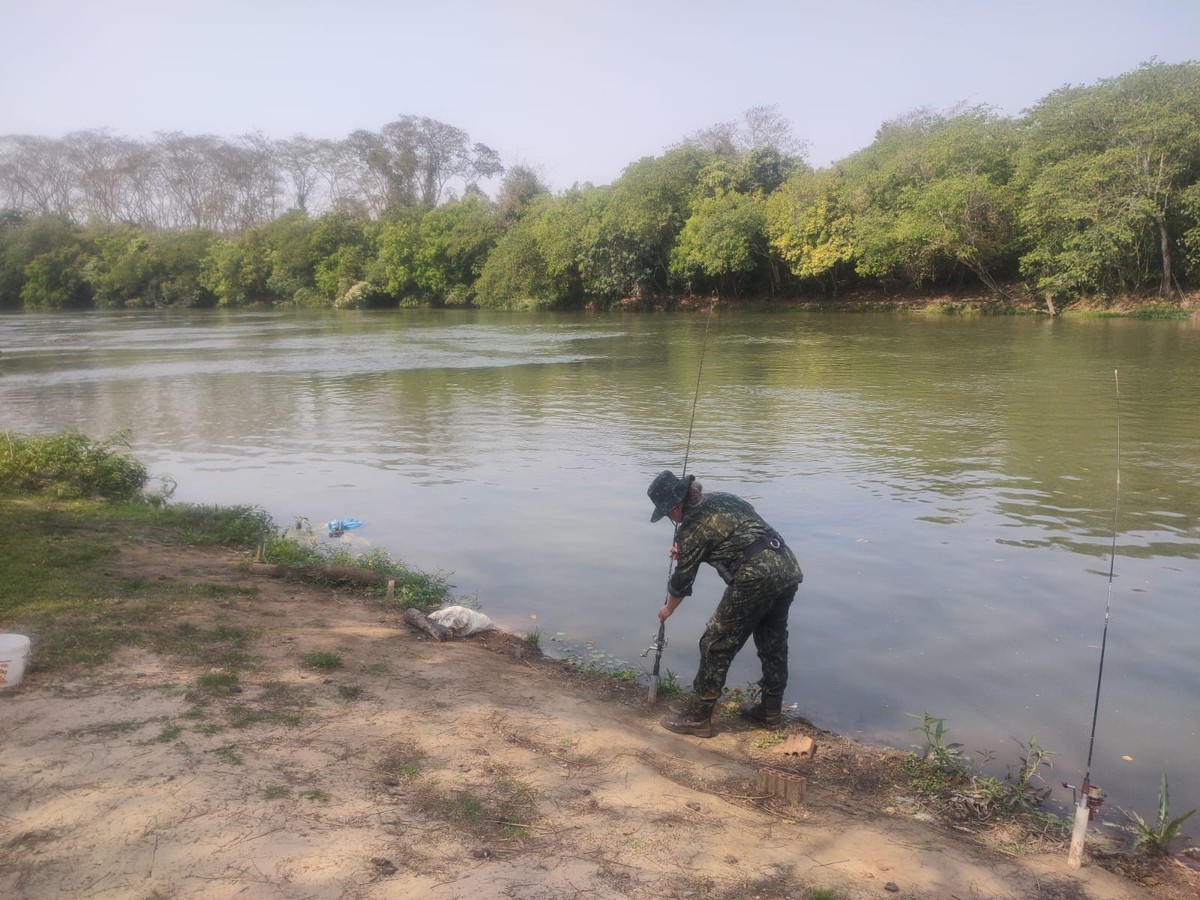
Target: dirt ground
(473,768)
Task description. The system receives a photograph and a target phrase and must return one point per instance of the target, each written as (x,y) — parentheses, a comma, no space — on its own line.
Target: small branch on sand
(421,622)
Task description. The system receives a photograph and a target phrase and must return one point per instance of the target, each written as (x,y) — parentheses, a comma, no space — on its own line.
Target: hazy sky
(577,88)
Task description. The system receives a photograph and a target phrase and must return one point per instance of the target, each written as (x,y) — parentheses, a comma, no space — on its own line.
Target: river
(949,484)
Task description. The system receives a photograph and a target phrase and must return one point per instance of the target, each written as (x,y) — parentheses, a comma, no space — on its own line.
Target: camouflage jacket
(714,532)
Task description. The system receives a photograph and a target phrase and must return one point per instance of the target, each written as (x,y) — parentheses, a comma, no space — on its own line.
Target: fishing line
(660,639)
(692,424)
(1112,561)
(696,396)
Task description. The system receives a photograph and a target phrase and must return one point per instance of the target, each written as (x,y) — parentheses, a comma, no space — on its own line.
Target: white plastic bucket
(14,650)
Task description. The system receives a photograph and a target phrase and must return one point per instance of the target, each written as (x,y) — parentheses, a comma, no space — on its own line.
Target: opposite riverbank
(282,738)
(1005,300)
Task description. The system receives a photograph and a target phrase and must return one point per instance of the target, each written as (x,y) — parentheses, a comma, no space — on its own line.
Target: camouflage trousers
(745,611)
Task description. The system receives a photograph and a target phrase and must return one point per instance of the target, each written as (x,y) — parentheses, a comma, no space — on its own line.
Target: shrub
(71,465)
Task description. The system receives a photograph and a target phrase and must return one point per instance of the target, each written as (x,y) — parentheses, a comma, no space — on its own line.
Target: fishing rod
(1090,796)
(660,640)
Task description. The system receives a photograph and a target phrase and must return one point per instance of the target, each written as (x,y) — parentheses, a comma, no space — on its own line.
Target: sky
(576,89)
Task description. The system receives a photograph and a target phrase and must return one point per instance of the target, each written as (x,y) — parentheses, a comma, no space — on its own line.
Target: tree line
(1094,191)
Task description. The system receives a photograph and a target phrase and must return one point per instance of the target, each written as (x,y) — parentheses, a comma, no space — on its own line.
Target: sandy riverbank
(471,768)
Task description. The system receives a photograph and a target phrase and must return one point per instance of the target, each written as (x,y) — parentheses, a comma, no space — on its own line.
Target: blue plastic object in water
(344,524)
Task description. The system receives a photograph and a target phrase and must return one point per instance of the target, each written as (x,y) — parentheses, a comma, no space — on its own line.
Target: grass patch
(168,735)
(404,760)
(219,684)
(324,660)
(228,753)
(506,808)
(74,502)
(415,589)
(768,740)
(279,704)
(57,584)
(1161,311)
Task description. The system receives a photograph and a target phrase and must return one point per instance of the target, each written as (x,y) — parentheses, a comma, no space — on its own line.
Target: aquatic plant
(1156,838)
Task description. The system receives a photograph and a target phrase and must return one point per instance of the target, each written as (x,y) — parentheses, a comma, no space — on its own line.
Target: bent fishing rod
(660,640)
(1090,796)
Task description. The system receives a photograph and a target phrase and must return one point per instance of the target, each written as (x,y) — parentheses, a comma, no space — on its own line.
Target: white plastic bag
(462,621)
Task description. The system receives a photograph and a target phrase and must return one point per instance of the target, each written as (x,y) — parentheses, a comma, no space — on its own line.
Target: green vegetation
(591,660)
(1093,193)
(324,660)
(297,546)
(404,760)
(70,465)
(72,499)
(768,740)
(948,758)
(669,685)
(943,775)
(507,805)
(1155,838)
(218,683)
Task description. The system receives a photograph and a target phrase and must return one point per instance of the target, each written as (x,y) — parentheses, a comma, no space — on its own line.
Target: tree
(56,280)
(106,171)
(536,261)
(237,270)
(397,240)
(1106,171)
(626,247)
(454,241)
(36,175)
(340,249)
(22,240)
(133,268)
(289,240)
(517,190)
(300,160)
(761,128)
(932,195)
(810,226)
(724,237)
(415,158)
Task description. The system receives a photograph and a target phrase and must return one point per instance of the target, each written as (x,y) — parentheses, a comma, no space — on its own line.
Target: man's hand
(673,553)
(671,604)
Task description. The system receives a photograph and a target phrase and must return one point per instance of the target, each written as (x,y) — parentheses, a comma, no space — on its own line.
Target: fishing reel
(1093,796)
(657,644)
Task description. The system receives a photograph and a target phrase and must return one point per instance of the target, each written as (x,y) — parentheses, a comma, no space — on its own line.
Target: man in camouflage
(762,577)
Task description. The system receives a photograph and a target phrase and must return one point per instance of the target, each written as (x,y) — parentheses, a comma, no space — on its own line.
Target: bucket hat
(667,491)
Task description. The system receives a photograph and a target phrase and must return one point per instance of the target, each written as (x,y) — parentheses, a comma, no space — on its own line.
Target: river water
(950,486)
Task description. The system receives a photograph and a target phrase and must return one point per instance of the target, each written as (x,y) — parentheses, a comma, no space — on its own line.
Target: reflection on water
(948,484)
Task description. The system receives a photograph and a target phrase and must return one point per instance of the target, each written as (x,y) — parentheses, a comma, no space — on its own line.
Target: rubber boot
(696,718)
(767,712)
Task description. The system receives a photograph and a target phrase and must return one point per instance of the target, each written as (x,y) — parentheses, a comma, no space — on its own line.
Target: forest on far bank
(1092,193)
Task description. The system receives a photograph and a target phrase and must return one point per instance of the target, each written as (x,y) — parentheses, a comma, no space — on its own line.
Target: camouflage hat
(666,492)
